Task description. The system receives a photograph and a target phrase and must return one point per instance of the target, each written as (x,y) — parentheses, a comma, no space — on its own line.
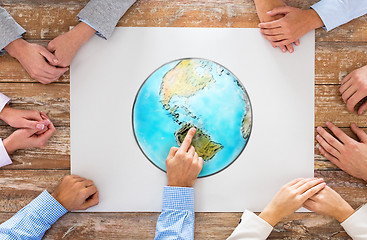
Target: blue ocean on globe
(198,92)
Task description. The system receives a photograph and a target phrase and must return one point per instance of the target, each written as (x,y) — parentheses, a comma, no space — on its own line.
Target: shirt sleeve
(337,12)
(251,227)
(356,224)
(104,15)
(178,216)
(4,100)
(10,30)
(4,156)
(33,220)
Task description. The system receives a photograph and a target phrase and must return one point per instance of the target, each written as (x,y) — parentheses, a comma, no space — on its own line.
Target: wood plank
(329,106)
(53,99)
(333,61)
(18,187)
(221,225)
(49,20)
(56,155)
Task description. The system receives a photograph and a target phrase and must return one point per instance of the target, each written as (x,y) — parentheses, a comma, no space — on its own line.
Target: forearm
(33,220)
(263,6)
(178,217)
(10,29)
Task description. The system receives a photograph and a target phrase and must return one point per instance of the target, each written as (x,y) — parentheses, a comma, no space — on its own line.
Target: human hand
(290,198)
(67,45)
(32,57)
(330,203)
(354,88)
(76,193)
(23,118)
(295,23)
(28,138)
(183,164)
(345,152)
(262,8)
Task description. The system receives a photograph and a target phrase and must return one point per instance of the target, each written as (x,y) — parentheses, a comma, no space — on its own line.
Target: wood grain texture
(48,20)
(20,187)
(333,61)
(338,52)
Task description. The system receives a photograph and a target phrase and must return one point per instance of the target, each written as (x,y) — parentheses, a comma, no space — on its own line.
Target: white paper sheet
(106,76)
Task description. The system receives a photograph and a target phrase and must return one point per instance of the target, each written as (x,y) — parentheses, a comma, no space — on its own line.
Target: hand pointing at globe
(183,164)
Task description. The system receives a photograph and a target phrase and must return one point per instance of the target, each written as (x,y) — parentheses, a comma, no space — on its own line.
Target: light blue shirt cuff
(338,12)
(178,198)
(90,25)
(2,51)
(47,207)
(4,156)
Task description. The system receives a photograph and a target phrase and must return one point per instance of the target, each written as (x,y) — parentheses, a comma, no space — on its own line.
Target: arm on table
(178,216)
(98,17)
(289,198)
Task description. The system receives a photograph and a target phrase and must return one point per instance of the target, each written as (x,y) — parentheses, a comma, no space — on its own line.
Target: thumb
(280,10)
(49,56)
(172,152)
(359,132)
(35,125)
(51,46)
(362,108)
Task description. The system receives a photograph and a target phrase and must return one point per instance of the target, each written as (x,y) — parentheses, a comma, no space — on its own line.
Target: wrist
(15,48)
(343,213)
(314,19)
(4,113)
(9,145)
(270,216)
(82,33)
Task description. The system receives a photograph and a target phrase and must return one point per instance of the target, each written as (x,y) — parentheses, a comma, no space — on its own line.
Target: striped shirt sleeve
(178,216)
(33,220)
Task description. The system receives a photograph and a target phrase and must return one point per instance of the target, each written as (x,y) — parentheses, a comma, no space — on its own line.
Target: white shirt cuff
(356,224)
(251,227)
(4,156)
(3,101)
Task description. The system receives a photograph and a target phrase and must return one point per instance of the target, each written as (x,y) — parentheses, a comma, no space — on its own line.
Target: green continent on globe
(204,146)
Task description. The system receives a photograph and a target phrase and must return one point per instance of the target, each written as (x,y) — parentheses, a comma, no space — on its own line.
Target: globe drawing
(196,93)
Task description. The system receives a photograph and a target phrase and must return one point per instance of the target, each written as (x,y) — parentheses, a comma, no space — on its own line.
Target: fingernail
(268,12)
(40,126)
(318,137)
(318,129)
(192,130)
(327,123)
(56,61)
(291,50)
(47,122)
(284,50)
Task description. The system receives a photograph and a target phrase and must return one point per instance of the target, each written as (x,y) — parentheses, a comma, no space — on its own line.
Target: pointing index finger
(187,141)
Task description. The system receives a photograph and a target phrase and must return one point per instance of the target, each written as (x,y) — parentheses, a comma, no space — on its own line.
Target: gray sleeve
(103,15)
(10,30)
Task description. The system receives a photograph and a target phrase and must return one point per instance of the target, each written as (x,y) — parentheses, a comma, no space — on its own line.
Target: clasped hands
(48,65)
(284,25)
(34,129)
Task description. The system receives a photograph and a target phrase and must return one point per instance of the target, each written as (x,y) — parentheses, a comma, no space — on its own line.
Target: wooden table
(337,53)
